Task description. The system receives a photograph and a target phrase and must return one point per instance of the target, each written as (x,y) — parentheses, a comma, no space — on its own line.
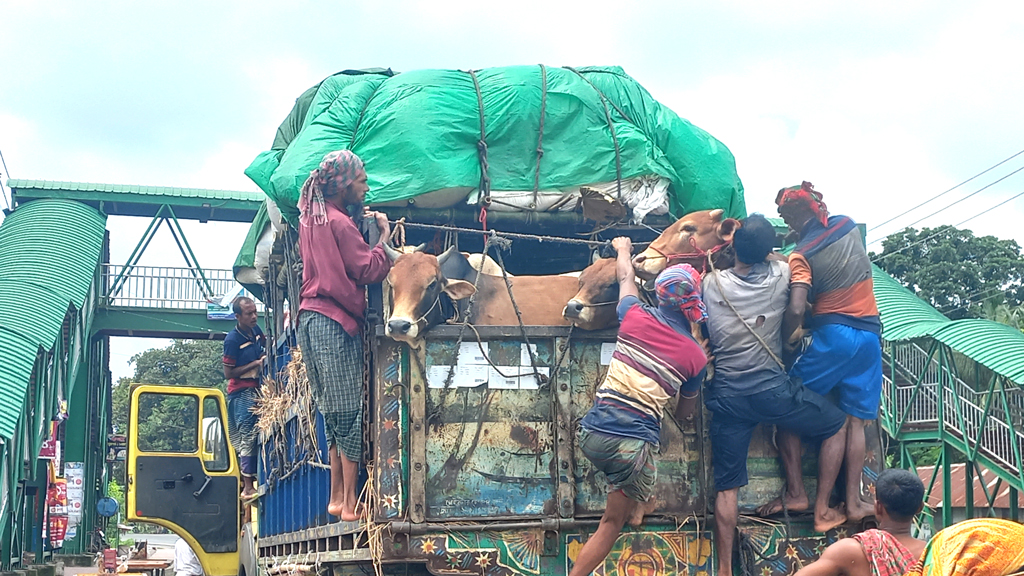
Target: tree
(195,363)
(954,270)
(183,363)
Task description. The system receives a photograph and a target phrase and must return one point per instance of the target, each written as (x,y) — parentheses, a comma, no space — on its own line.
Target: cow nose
(399,326)
(639,259)
(573,308)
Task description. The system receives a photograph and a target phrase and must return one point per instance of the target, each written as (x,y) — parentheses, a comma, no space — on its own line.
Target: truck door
(182,473)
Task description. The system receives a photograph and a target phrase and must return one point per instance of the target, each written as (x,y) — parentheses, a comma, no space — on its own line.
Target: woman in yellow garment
(980,547)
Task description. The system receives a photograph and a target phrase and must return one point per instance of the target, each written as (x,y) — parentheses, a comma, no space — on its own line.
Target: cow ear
(727,228)
(459,289)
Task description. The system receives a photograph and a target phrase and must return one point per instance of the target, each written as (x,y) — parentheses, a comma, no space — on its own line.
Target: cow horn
(421,247)
(391,252)
(445,255)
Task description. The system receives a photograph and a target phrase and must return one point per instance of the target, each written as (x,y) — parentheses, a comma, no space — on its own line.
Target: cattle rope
(513,235)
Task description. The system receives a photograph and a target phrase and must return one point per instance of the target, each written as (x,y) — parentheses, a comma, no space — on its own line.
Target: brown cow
(593,306)
(425,289)
(687,240)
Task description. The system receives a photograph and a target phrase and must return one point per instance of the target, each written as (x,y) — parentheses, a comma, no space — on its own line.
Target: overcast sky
(881,105)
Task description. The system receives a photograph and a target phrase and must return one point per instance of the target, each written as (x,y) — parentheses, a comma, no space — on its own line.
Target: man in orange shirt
(830,270)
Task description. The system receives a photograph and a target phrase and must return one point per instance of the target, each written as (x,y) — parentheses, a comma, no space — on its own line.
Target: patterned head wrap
(340,164)
(804,194)
(678,286)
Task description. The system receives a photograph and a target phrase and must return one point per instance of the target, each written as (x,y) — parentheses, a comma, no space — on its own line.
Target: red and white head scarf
(343,166)
(804,194)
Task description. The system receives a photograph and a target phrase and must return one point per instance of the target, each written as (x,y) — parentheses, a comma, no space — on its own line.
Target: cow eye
(432,285)
(689,228)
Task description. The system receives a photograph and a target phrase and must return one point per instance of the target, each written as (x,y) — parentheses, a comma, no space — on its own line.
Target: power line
(978,191)
(901,214)
(958,224)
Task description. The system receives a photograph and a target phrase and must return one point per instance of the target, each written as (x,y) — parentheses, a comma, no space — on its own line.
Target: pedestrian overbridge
(60,301)
(164,301)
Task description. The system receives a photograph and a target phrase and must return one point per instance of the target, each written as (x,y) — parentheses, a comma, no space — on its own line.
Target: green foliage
(954,270)
(116,491)
(169,423)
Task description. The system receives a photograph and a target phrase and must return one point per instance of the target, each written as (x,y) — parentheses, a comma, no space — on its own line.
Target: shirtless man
(888,550)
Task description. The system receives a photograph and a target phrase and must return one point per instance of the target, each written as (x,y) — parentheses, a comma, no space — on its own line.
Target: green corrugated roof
(156,191)
(49,250)
(905,317)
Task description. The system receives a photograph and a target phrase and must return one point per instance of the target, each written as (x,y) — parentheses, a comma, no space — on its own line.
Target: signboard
(57,497)
(48,451)
(58,531)
(215,311)
(117,448)
(73,473)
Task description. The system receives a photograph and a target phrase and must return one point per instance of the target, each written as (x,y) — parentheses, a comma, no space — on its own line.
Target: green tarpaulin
(420,131)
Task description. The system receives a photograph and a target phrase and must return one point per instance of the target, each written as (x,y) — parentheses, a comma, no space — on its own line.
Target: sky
(881,104)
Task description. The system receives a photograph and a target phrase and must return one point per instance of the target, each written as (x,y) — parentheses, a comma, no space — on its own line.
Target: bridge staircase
(977,419)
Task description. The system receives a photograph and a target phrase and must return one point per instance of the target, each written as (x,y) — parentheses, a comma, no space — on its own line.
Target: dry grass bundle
(281,401)
(370,497)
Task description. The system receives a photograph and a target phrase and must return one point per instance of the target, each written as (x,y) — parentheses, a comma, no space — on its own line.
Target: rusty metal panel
(488,447)
(682,466)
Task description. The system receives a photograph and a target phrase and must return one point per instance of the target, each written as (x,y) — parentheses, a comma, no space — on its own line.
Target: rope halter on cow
(704,256)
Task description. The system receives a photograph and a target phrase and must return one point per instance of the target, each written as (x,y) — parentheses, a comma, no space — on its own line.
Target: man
(185,561)
(830,269)
(888,550)
(337,265)
(243,363)
(655,357)
(750,386)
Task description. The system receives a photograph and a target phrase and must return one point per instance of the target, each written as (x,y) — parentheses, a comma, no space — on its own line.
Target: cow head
(418,285)
(691,234)
(593,307)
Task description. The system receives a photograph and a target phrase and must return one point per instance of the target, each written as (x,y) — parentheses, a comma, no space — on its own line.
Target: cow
(593,305)
(426,290)
(689,240)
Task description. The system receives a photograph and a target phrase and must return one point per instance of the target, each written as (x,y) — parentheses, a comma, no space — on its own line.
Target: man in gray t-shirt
(751,387)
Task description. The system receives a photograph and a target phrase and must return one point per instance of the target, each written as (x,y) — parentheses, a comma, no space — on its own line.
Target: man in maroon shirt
(337,265)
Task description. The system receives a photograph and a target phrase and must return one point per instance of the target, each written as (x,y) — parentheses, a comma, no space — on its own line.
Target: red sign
(58,529)
(57,497)
(109,560)
(48,451)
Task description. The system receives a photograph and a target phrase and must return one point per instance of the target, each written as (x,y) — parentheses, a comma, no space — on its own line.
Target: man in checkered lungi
(337,265)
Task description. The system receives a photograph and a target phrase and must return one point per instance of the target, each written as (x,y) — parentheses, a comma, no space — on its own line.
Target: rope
(502,243)
(359,120)
(481,148)
(611,127)
(540,132)
(398,233)
(516,235)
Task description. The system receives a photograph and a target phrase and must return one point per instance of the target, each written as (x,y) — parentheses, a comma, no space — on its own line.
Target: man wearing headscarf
(337,264)
(655,358)
(750,386)
(831,271)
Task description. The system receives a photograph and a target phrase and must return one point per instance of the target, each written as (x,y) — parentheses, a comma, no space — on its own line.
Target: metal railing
(987,422)
(163,287)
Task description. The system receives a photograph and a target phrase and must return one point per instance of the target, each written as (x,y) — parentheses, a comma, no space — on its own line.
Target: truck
(482,475)
(471,463)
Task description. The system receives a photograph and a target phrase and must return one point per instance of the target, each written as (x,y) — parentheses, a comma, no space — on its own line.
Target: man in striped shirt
(655,358)
(830,270)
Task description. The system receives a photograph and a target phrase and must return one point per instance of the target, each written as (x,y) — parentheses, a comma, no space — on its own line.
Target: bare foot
(349,515)
(334,509)
(793,504)
(859,510)
(829,520)
(641,509)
